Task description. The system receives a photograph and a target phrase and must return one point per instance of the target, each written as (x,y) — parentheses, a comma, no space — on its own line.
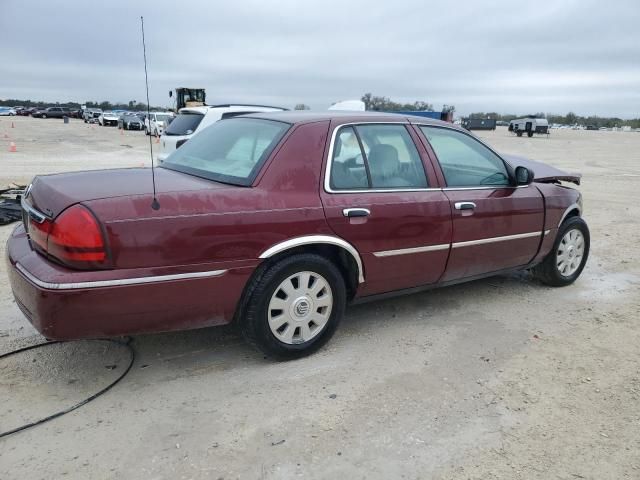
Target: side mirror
(170,93)
(524,176)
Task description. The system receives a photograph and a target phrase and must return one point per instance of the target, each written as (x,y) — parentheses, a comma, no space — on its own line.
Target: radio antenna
(154,204)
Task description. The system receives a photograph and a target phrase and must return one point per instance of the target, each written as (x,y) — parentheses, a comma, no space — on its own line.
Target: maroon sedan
(275,221)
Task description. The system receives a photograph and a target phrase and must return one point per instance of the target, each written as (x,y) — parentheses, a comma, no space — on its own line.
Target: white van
(191,120)
(529,125)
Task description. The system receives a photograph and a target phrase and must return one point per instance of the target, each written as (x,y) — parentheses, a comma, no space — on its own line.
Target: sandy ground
(497,379)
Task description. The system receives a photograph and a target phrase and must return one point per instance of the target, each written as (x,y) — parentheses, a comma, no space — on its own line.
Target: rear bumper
(63,304)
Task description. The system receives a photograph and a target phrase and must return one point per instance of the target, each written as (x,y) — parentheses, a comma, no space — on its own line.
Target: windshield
(161,118)
(229,151)
(184,124)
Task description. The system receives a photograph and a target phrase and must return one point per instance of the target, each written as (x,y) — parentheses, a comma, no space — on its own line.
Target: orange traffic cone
(12,125)
(12,147)
(157,139)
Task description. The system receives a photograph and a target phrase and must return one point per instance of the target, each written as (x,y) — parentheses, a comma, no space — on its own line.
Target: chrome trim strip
(311,239)
(483,241)
(491,187)
(33,213)
(546,232)
(116,283)
(406,251)
(574,206)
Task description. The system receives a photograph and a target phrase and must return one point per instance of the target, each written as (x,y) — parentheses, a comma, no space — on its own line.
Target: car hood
(51,194)
(544,173)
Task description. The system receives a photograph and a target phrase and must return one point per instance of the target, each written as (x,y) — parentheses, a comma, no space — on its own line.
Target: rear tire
(568,256)
(529,134)
(293,308)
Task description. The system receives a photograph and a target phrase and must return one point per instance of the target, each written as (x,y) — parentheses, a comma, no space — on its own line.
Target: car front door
(380,193)
(496,225)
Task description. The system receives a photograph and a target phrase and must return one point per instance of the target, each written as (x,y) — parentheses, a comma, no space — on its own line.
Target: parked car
(7,111)
(91,113)
(155,122)
(130,121)
(24,112)
(191,120)
(32,110)
(276,221)
(51,112)
(530,125)
(108,118)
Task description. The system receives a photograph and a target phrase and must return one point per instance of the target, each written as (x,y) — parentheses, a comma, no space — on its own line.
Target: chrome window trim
(115,283)
(311,239)
(504,238)
(571,207)
(406,251)
(33,213)
(327,172)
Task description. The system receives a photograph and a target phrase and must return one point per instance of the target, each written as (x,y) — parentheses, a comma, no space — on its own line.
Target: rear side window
(376,156)
(465,162)
(231,151)
(184,124)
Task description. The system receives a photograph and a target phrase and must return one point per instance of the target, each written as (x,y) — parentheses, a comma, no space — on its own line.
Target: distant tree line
(104,105)
(385,104)
(568,119)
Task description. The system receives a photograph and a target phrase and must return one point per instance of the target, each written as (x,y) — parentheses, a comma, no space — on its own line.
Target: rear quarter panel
(229,226)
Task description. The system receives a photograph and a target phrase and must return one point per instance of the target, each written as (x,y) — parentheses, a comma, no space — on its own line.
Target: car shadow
(225,344)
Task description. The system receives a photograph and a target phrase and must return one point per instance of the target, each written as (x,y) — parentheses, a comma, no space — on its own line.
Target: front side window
(465,162)
(376,156)
(229,151)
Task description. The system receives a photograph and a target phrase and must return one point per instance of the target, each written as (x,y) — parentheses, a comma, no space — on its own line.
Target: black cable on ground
(83,402)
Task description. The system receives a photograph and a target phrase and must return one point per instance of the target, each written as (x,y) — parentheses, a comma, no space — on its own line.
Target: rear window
(229,151)
(184,124)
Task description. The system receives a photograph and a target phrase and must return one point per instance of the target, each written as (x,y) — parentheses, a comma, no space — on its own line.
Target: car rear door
(380,195)
(496,225)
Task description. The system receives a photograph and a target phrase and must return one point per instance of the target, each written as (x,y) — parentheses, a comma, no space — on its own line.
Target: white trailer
(529,125)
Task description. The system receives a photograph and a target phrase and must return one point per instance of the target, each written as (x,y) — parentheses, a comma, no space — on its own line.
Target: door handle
(465,205)
(356,212)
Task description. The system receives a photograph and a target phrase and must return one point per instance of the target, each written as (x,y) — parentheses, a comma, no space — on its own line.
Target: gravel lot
(499,378)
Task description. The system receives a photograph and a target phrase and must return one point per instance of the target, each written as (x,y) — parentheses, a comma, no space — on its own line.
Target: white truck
(529,125)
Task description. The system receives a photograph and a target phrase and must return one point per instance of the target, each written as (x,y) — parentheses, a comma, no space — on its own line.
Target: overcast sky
(519,57)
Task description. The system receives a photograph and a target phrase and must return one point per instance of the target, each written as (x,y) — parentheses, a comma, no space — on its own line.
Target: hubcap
(300,307)
(570,253)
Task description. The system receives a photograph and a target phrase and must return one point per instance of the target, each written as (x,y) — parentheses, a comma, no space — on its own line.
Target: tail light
(74,238)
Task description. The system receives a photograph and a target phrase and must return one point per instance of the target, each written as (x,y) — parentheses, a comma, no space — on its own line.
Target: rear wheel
(293,307)
(529,134)
(565,262)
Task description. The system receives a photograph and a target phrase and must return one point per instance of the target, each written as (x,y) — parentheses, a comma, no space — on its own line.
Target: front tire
(519,134)
(529,134)
(568,256)
(293,307)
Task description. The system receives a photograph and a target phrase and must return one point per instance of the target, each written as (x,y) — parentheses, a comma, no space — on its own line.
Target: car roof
(309,116)
(227,106)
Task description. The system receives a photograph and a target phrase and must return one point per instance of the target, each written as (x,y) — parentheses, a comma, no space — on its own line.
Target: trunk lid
(544,173)
(51,194)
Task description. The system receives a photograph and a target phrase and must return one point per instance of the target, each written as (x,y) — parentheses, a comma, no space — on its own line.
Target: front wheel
(294,307)
(44,116)
(529,134)
(519,134)
(566,260)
